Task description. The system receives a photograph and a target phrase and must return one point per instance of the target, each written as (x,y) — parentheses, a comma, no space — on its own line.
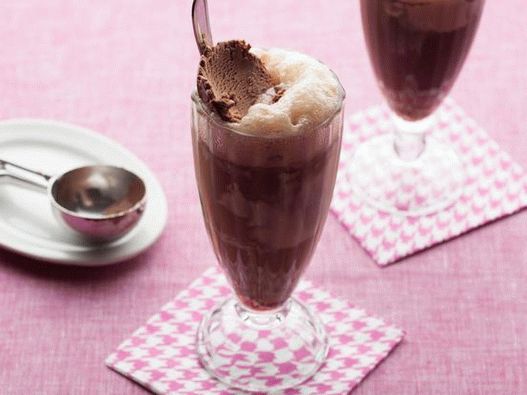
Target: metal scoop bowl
(102,203)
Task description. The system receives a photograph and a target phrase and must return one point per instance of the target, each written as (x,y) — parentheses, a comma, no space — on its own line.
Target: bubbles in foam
(312,95)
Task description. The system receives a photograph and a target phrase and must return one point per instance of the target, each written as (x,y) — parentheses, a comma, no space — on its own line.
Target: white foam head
(312,95)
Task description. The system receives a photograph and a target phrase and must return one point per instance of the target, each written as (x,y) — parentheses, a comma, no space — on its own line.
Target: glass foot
(423,186)
(262,352)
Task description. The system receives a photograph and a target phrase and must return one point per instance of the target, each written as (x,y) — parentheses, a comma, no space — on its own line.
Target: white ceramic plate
(27,225)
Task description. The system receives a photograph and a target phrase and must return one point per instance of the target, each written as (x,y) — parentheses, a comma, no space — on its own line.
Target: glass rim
(213,118)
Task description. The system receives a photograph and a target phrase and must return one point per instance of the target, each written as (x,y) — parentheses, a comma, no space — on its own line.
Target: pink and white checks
(161,355)
(494,187)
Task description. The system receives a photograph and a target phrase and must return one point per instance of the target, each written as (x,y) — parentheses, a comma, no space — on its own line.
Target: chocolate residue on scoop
(230,79)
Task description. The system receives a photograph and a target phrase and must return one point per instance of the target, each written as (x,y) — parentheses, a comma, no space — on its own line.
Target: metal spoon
(201,24)
(102,203)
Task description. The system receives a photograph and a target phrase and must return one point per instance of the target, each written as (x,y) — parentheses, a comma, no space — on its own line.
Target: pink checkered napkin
(495,187)
(161,357)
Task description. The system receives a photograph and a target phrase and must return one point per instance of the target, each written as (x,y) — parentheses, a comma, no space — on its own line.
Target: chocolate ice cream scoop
(230,79)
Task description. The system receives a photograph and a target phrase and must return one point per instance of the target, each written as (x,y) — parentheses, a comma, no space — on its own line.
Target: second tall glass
(417,49)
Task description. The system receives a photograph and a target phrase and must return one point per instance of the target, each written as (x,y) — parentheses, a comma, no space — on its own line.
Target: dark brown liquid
(264,221)
(418,48)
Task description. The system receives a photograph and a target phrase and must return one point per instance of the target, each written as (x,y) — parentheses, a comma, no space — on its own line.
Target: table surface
(126,69)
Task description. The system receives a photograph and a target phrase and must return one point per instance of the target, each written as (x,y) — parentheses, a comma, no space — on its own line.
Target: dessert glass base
(425,185)
(262,351)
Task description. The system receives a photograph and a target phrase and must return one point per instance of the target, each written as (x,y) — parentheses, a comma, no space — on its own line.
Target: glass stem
(410,137)
(263,319)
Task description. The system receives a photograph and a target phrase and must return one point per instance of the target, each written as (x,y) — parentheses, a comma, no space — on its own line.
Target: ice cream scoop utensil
(100,202)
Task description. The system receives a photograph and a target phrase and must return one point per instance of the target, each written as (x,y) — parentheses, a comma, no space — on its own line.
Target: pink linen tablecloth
(126,69)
